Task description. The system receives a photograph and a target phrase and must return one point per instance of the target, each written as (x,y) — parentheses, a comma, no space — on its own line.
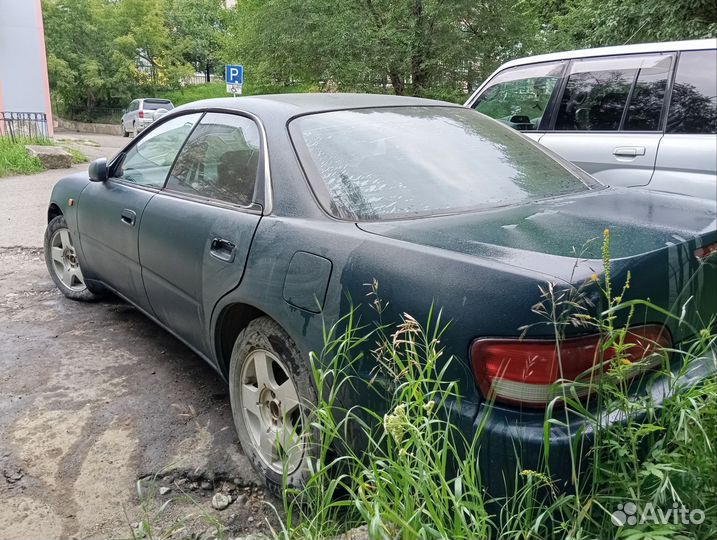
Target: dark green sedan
(241,225)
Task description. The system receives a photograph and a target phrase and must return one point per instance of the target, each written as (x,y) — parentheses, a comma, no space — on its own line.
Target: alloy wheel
(271,411)
(65,262)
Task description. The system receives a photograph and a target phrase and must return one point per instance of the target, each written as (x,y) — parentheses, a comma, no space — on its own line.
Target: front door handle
(629,151)
(128,217)
(221,249)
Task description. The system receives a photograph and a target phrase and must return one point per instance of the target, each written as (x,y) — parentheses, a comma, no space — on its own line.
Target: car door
(687,158)
(608,117)
(109,213)
(196,233)
(521,96)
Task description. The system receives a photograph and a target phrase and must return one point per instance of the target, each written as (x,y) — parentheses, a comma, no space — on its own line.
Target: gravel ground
(103,415)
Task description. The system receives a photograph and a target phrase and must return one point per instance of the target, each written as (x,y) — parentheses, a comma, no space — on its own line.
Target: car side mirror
(98,170)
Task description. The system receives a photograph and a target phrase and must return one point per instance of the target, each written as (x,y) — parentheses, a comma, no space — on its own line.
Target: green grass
(14,159)
(77,156)
(401,483)
(218,89)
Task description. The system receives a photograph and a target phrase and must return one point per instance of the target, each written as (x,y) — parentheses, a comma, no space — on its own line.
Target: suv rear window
(154,104)
(388,163)
(694,94)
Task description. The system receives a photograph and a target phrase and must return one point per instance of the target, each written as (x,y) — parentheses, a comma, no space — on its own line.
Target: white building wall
(23,62)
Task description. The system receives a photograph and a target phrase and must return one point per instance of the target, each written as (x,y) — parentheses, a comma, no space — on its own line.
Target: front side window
(373,164)
(693,107)
(519,96)
(220,160)
(147,162)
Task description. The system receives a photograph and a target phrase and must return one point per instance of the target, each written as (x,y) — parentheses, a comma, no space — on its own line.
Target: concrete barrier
(83,127)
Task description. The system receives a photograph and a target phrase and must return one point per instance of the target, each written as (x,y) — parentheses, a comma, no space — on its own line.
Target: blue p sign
(234,74)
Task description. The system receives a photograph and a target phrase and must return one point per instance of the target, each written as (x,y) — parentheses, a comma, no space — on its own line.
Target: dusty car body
(243,280)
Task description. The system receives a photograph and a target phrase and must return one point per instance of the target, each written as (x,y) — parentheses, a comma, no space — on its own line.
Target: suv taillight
(525,371)
(140,114)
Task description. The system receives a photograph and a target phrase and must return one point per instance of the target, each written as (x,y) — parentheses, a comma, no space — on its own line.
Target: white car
(635,115)
(142,112)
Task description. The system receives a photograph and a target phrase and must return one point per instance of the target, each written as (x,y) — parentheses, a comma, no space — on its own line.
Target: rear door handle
(629,151)
(128,217)
(221,249)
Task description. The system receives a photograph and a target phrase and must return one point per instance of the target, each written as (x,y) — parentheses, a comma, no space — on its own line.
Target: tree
(103,53)
(596,23)
(196,28)
(422,47)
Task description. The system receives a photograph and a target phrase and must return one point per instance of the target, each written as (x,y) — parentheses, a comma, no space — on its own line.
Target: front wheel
(271,391)
(63,264)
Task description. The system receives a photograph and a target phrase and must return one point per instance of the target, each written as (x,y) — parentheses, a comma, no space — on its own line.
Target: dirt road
(93,398)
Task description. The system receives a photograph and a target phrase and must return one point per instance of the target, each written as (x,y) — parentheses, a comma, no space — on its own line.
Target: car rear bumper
(512,440)
(142,124)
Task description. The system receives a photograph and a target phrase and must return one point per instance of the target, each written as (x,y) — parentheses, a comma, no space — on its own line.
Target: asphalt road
(94,397)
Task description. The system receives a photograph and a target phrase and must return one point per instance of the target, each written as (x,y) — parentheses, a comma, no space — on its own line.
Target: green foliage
(595,23)
(103,53)
(14,159)
(422,47)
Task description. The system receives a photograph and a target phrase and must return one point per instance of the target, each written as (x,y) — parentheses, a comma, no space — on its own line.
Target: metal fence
(19,125)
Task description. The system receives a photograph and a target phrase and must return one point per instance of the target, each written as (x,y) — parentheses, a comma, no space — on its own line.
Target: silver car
(635,115)
(142,112)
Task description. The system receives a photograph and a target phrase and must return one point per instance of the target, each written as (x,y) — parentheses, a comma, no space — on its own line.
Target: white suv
(142,112)
(636,115)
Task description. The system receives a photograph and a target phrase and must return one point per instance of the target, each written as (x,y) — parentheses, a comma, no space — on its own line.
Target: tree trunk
(396,82)
(419,74)
(208,72)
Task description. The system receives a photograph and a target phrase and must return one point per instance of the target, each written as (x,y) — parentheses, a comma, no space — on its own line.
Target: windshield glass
(387,163)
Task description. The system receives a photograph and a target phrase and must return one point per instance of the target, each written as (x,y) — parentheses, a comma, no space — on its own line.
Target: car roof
(289,105)
(667,46)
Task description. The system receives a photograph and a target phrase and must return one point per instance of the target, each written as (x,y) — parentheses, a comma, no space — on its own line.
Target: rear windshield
(388,163)
(154,104)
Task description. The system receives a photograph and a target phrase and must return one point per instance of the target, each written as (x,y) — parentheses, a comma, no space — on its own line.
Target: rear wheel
(271,391)
(63,264)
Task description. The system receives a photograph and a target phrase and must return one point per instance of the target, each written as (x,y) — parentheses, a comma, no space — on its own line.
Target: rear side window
(220,160)
(597,92)
(694,94)
(648,95)
(519,96)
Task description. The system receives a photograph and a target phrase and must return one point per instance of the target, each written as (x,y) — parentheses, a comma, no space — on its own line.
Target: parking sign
(234,74)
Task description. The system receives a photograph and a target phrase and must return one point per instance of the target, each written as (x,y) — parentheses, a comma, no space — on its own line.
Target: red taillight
(140,114)
(525,371)
(704,252)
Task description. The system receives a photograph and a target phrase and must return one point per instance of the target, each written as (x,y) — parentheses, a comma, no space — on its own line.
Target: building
(24,86)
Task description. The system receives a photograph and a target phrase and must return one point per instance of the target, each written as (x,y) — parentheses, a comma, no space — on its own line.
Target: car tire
(125,133)
(271,391)
(64,265)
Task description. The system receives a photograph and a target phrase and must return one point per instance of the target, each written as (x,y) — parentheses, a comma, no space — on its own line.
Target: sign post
(234,77)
